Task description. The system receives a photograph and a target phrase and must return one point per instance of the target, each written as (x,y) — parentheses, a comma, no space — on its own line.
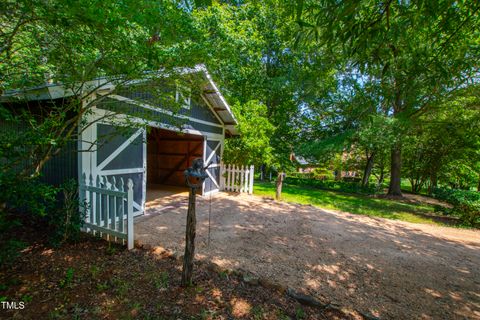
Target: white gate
(108,207)
(237,178)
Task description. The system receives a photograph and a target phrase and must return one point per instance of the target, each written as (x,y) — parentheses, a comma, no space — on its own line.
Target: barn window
(183,96)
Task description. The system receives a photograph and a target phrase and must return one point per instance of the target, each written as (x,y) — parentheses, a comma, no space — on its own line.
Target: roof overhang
(218,103)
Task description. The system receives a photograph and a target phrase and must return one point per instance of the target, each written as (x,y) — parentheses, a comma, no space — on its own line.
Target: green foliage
(466,204)
(161,280)
(396,59)
(253,146)
(323,174)
(455,196)
(251,55)
(66,220)
(343,186)
(469,212)
(299,313)
(29,196)
(67,280)
(10,250)
(33,202)
(9,247)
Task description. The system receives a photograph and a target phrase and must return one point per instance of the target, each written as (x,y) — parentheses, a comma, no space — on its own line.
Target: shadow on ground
(390,269)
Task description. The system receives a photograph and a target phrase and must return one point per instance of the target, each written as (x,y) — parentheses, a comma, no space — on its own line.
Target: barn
(158,153)
(129,143)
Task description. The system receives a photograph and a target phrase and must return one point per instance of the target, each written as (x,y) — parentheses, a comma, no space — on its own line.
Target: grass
(353,203)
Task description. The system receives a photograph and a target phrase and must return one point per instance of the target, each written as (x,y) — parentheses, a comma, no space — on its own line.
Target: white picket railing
(236,178)
(108,207)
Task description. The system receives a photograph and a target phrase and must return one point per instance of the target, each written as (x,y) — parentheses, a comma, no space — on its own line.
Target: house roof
(301,160)
(210,91)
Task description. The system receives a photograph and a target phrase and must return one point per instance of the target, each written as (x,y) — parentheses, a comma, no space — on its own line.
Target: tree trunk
(189,240)
(278,194)
(434,183)
(412,184)
(478,187)
(368,170)
(382,176)
(394,189)
(263,172)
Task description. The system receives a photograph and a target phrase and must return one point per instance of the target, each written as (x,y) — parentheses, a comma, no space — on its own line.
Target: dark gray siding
(147,114)
(200,110)
(110,138)
(63,166)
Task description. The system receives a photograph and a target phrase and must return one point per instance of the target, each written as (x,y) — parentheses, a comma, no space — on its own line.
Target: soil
(383,268)
(92,279)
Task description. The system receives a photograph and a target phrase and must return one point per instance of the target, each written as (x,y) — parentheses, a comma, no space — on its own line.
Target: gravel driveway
(389,269)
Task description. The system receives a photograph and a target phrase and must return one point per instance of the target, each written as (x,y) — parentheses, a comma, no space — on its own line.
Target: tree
(375,137)
(253,146)
(416,52)
(73,43)
(251,53)
(443,143)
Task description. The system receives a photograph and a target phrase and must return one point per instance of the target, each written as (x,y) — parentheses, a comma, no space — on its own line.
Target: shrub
(52,211)
(27,196)
(349,187)
(466,204)
(66,220)
(323,174)
(469,212)
(300,175)
(9,248)
(455,196)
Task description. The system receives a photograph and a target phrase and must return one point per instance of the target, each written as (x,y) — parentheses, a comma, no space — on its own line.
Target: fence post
(222,178)
(236,178)
(245,183)
(228,177)
(252,172)
(242,178)
(130,214)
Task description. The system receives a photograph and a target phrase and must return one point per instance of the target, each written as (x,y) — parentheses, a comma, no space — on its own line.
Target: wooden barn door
(118,152)
(212,154)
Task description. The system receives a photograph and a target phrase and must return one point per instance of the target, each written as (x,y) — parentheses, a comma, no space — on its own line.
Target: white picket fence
(108,207)
(237,178)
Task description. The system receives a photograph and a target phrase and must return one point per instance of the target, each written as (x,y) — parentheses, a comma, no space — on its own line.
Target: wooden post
(280,177)
(189,240)
(130,215)
(198,172)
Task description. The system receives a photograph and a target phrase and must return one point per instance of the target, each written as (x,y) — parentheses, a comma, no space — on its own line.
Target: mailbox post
(194,177)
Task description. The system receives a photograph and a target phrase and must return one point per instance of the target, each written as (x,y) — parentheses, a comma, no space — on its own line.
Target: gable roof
(210,91)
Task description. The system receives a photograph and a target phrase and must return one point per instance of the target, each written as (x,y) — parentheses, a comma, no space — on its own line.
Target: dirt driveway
(389,269)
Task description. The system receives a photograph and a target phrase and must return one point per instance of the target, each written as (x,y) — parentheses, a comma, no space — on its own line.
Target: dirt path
(390,269)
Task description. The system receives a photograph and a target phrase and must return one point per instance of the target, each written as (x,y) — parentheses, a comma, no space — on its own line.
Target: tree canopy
(394,83)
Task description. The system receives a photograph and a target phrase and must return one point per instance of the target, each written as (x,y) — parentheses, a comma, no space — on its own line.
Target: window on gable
(183,96)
